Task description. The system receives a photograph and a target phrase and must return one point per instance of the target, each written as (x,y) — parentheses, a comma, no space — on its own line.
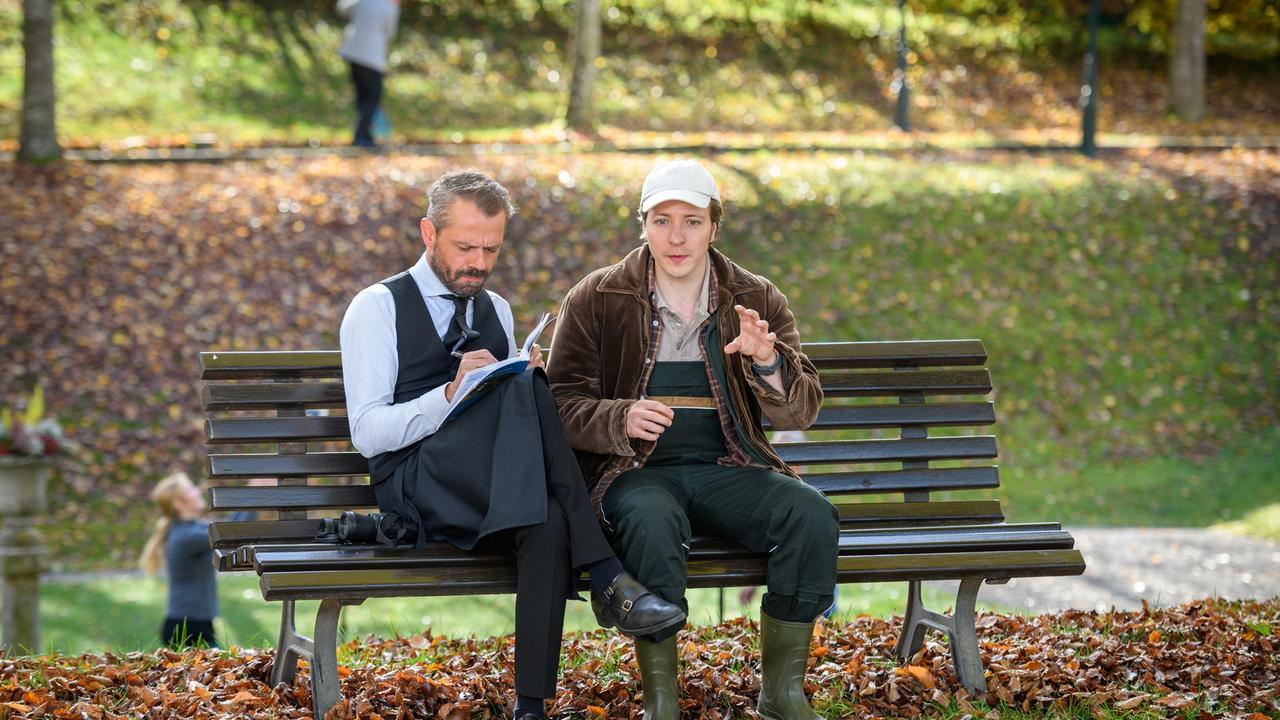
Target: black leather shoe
(629,606)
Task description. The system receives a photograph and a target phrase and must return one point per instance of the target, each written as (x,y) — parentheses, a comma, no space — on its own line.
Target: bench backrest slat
(293,497)
(884,399)
(249,365)
(240,430)
(901,481)
(861,451)
(252,465)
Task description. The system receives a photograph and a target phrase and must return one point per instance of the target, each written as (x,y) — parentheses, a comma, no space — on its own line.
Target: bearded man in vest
(500,474)
(663,366)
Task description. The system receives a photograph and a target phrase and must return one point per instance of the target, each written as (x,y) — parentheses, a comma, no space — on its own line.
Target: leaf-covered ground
(1206,659)
(1130,305)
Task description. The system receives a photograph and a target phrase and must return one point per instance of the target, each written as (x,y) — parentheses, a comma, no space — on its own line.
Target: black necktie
(458,325)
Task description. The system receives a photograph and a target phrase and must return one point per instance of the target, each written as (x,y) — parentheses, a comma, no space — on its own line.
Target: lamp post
(904,93)
(1089,91)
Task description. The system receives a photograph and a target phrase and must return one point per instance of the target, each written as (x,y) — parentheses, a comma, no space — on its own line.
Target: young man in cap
(664,365)
(500,475)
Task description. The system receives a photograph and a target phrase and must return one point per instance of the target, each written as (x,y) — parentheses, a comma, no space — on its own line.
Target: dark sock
(530,704)
(603,572)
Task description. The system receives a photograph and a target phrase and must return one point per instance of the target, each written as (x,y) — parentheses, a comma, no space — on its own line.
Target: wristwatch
(771,368)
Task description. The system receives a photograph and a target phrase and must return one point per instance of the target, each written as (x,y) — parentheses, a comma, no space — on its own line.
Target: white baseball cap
(684,180)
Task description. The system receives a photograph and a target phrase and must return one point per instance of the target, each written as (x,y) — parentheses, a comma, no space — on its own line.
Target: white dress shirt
(371,363)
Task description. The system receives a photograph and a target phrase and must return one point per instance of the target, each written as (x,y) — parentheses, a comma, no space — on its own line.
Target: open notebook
(483,379)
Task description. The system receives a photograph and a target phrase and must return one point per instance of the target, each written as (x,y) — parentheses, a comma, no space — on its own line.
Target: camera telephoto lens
(357,527)
(328,530)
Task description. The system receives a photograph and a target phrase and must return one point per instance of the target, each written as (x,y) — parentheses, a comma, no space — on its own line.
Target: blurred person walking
(365,45)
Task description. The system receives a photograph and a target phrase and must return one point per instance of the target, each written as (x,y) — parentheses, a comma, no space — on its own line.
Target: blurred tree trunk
(38,136)
(1187,63)
(586,50)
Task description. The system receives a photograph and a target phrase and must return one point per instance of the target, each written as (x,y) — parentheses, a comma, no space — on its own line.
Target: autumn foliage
(1128,314)
(1204,659)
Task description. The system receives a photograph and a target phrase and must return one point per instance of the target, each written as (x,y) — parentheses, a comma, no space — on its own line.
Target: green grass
(163,71)
(1227,488)
(123,615)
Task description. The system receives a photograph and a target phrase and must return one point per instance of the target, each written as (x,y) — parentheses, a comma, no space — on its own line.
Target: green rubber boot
(657,661)
(784,658)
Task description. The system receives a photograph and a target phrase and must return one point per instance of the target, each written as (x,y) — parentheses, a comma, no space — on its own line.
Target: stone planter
(23,483)
(22,554)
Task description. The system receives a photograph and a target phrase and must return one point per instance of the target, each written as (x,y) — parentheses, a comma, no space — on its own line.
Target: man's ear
(428,234)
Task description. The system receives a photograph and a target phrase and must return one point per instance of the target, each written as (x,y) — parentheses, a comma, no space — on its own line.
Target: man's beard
(453,280)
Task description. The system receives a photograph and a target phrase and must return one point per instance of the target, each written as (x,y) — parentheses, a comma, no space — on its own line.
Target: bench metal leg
(959,628)
(914,624)
(326,686)
(290,647)
(964,640)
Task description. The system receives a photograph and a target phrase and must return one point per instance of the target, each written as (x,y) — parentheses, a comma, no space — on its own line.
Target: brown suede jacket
(604,349)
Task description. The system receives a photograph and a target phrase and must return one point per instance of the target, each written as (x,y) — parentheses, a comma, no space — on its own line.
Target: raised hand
(648,419)
(754,339)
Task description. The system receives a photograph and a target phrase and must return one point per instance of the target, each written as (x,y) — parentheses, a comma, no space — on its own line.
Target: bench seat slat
(230,534)
(244,557)
(853,451)
(866,542)
(455,580)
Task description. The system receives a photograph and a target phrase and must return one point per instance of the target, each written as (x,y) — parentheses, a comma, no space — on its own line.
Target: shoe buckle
(626,605)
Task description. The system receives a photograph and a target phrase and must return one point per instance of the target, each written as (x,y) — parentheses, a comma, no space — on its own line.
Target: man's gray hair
(487,194)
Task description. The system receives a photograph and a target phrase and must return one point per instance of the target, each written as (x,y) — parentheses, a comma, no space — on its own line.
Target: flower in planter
(30,434)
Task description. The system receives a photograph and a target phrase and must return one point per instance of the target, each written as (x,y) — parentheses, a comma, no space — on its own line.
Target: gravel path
(1164,566)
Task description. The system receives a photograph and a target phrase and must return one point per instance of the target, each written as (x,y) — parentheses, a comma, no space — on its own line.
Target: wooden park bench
(872,438)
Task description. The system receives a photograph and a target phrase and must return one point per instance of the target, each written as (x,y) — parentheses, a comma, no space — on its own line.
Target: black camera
(357,528)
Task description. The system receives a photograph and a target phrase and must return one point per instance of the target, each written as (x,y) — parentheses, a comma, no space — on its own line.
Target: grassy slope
(161,71)
(1087,280)
(1131,320)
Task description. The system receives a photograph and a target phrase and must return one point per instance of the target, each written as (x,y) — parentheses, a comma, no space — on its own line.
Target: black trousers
(368,84)
(181,633)
(547,553)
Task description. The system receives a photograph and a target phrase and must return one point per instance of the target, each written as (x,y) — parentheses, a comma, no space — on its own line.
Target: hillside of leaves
(1131,306)
(159,72)
(1205,659)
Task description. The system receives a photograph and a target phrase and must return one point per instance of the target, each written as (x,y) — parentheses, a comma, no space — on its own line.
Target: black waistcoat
(425,363)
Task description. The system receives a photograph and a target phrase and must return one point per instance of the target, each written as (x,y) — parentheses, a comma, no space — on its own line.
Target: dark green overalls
(681,491)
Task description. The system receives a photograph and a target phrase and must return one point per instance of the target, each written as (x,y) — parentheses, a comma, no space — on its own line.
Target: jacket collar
(631,275)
